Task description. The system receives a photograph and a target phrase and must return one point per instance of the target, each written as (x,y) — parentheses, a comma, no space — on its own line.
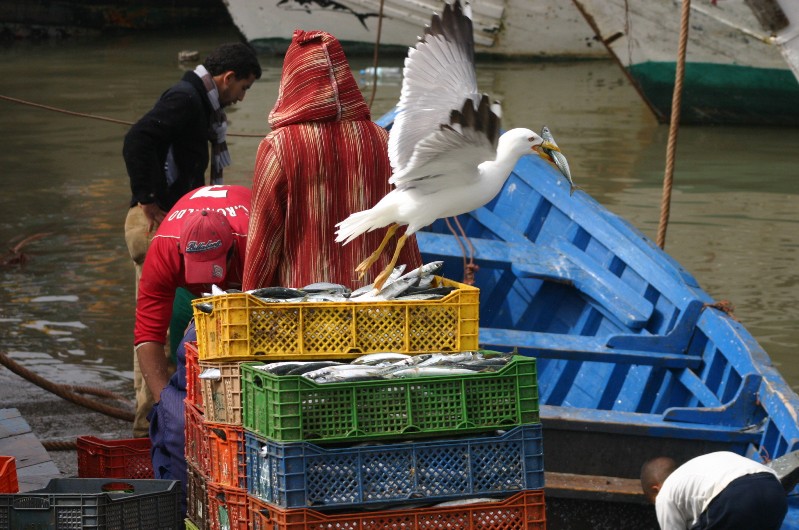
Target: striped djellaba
(323,160)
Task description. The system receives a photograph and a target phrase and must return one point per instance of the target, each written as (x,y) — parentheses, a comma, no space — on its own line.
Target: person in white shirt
(719,491)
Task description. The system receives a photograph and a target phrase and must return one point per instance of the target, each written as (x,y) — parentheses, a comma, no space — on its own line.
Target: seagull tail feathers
(355,225)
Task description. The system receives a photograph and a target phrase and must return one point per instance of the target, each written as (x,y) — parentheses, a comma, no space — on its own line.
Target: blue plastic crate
(304,475)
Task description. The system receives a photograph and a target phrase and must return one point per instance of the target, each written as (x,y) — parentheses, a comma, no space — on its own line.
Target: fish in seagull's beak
(545,149)
(549,151)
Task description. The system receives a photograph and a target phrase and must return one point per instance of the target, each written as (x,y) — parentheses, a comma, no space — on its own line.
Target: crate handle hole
(118,487)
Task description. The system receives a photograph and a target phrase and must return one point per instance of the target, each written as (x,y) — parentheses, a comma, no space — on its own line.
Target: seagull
(446,151)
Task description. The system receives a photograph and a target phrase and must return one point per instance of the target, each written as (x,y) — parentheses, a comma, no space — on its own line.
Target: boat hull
(737,71)
(634,359)
(60,18)
(508,29)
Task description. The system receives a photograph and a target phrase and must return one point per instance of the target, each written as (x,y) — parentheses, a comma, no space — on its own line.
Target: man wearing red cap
(200,243)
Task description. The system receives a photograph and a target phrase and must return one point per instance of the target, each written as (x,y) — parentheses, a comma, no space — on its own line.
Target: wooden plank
(34,466)
(643,424)
(593,487)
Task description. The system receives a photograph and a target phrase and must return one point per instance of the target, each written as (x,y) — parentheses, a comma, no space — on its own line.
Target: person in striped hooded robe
(323,160)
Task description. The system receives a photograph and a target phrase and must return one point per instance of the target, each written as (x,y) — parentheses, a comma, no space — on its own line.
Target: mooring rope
(674,125)
(60,445)
(64,391)
(376,54)
(95,116)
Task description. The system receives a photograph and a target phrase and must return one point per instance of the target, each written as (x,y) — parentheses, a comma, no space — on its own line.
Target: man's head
(234,67)
(654,473)
(206,242)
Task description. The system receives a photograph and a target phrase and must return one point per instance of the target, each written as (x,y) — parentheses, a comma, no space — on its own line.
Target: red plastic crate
(196,498)
(523,511)
(228,508)
(193,387)
(8,475)
(196,440)
(227,456)
(99,458)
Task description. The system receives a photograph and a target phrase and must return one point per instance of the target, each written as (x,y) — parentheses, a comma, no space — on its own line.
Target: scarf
(220,156)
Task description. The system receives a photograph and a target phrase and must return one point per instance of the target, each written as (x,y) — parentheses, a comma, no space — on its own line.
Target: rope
(64,391)
(674,125)
(376,55)
(95,116)
(59,445)
(471,267)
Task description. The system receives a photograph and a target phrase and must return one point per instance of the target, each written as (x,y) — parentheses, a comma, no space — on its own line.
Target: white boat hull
(507,28)
(740,68)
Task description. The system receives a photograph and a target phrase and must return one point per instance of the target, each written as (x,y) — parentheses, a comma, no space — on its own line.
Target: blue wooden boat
(635,360)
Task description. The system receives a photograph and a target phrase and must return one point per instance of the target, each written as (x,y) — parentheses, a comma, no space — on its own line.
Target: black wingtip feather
(482,120)
(453,25)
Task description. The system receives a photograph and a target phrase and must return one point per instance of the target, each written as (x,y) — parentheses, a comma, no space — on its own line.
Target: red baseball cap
(205,238)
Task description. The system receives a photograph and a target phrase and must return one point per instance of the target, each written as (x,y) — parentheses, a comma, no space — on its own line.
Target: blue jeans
(750,502)
(167,421)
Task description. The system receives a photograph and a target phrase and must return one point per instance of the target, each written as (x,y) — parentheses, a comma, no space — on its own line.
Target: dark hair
(655,471)
(235,56)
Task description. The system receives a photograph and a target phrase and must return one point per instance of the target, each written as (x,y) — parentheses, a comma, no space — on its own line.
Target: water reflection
(68,313)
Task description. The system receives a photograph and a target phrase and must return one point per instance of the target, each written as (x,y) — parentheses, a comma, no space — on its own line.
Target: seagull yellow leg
(383,276)
(368,262)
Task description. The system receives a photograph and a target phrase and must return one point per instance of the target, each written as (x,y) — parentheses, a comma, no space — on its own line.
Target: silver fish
(418,297)
(311,366)
(558,157)
(280,367)
(276,292)
(428,371)
(345,372)
(396,273)
(205,307)
(212,374)
(373,359)
(328,288)
(465,502)
(426,270)
(442,359)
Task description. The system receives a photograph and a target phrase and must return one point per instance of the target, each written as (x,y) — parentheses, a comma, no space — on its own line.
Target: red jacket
(163,270)
(323,160)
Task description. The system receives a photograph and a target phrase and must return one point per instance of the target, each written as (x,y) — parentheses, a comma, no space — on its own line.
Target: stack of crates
(337,454)
(216,470)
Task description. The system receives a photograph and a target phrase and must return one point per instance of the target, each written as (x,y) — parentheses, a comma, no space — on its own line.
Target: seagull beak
(550,146)
(542,151)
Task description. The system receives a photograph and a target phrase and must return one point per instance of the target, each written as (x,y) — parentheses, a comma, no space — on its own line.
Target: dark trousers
(751,502)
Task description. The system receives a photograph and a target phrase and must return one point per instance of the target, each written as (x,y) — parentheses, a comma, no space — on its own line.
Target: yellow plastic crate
(243,327)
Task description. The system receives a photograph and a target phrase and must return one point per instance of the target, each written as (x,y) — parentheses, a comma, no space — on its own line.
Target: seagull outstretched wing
(438,77)
(449,157)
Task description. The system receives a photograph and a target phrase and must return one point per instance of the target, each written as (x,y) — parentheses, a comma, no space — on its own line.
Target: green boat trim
(722,94)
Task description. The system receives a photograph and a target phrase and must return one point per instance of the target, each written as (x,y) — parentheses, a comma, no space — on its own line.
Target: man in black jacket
(168,150)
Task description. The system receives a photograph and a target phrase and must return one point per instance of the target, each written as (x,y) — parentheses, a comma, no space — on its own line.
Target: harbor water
(67,311)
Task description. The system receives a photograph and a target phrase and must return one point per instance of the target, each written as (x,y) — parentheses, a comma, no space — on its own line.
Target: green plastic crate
(292,408)
(190,525)
(95,504)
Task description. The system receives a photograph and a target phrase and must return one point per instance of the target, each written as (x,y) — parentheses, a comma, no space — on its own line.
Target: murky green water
(68,312)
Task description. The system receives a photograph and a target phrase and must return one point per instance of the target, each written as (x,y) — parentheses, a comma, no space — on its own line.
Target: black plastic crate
(95,504)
